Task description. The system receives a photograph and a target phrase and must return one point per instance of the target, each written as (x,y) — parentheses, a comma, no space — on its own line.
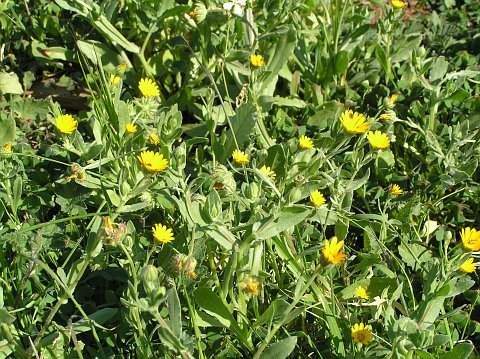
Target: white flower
(236,5)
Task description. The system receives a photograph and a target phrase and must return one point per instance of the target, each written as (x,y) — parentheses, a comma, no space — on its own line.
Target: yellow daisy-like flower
(361,292)
(396,190)
(354,122)
(122,67)
(390,101)
(384,117)
(468,266)
(131,128)
(114,79)
(317,198)
(305,142)
(240,157)
(257,60)
(153,161)
(333,251)
(7,148)
(398,4)
(267,171)
(148,88)
(362,333)
(378,140)
(162,234)
(250,285)
(153,139)
(66,124)
(470,238)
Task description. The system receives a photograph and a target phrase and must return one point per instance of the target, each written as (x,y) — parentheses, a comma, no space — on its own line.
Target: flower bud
(149,275)
(199,12)
(180,156)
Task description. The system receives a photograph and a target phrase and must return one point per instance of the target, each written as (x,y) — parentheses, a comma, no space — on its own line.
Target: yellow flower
(7,148)
(396,190)
(398,4)
(361,333)
(354,122)
(162,234)
(122,68)
(267,171)
(468,266)
(470,238)
(384,117)
(333,251)
(362,292)
(305,142)
(250,285)
(390,101)
(114,79)
(316,197)
(148,88)
(131,128)
(66,124)
(240,157)
(153,161)
(153,139)
(378,140)
(257,60)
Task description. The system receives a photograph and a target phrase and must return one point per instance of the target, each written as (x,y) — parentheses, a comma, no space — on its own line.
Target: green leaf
(340,62)
(17,191)
(99,317)
(6,317)
(404,49)
(459,351)
(384,163)
(276,160)
(327,113)
(281,53)
(287,218)
(289,102)
(281,349)
(428,312)
(174,312)
(222,236)
(133,207)
(381,57)
(356,184)
(123,118)
(243,124)
(439,69)
(213,305)
(110,32)
(9,83)
(95,50)
(273,314)
(424,355)
(414,255)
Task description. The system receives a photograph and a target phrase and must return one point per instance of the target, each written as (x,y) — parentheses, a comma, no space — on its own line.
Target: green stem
(136,311)
(193,317)
(292,306)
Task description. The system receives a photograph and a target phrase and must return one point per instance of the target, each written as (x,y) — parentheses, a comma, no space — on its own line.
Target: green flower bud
(199,12)
(180,156)
(149,275)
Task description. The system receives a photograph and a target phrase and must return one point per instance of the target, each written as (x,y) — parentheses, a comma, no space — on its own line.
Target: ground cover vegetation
(239,179)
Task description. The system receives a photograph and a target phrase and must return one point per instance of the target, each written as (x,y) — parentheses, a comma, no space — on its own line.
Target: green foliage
(238,265)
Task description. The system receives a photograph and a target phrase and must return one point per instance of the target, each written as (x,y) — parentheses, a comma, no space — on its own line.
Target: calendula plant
(241,179)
